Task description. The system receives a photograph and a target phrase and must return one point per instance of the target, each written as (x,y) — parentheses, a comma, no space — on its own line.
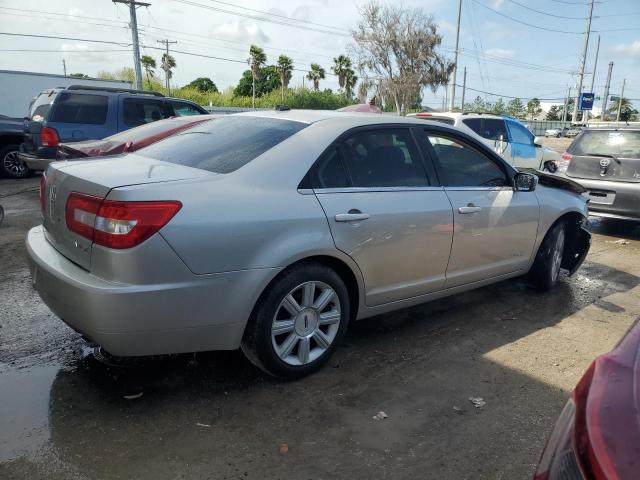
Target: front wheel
(545,272)
(298,321)
(10,165)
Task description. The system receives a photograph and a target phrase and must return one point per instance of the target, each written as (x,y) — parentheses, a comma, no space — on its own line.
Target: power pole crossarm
(134,36)
(455,60)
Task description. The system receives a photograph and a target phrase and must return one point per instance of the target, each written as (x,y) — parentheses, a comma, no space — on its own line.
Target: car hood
(555,181)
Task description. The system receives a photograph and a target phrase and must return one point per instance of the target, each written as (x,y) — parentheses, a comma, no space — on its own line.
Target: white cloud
(631,49)
(241,30)
(497,4)
(82,52)
(501,52)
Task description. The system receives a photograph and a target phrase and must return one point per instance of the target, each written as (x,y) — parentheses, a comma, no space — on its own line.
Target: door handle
(469,209)
(352,216)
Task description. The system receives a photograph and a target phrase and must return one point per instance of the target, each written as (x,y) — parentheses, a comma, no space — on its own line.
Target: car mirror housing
(538,141)
(525,182)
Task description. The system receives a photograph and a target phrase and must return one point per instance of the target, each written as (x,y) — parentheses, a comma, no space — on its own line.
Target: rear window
(149,130)
(79,108)
(41,106)
(619,143)
(489,128)
(223,145)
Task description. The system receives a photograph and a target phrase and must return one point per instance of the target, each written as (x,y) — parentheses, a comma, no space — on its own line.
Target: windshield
(620,143)
(223,145)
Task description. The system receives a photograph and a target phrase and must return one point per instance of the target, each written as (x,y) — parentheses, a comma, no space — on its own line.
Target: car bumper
(612,199)
(35,163)
(206,312)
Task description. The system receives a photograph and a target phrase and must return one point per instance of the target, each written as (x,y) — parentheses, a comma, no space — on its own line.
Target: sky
(508,48)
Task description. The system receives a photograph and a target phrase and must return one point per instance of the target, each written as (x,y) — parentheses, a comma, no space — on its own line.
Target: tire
(10,165)
(307,339)
(545,272)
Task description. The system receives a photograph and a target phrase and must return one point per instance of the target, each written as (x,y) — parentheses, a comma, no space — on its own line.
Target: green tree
(168,64)
(554,113)
(342,69)
(499,108)
(315,75)
(257,59)
(350,82)
(477,105)
(627,112)
(515,108)
(203,84)
(79,75)
(267,80)
(148,63)
(284,67)
(533,107)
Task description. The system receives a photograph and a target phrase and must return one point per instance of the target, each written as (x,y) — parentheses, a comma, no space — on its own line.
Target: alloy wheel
(557,255)
(306,323)
(13,164)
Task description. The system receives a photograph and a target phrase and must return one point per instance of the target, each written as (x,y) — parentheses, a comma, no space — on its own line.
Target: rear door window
(489,128)
(519,134)
(79,108)
(329,171)
(383,158)
(619,143)
(182,109)
(225,144)
(138,111)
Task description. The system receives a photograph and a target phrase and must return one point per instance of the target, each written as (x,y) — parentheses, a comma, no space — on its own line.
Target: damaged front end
(578,244)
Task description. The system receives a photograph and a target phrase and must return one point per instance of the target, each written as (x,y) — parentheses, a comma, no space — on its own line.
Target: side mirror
(538,141)
(525,182)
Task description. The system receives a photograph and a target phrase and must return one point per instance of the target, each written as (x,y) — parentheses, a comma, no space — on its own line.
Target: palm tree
(284,68)
(256,61)
(149,64)
(168,62)
(626,109)
(341,67)
(349,82)
(315,75)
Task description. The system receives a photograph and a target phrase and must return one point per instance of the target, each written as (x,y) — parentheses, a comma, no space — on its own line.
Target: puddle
(24,410)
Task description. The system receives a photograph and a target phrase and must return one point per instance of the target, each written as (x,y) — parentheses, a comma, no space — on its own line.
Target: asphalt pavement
(65,415)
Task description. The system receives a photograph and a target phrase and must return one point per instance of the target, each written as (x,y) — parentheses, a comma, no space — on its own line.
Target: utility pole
(606,92)
(585,115)
(464,88)
(620,100)
(566,106)
(64,67)
(166,43)
(455,61)
(584,60)
(134,37)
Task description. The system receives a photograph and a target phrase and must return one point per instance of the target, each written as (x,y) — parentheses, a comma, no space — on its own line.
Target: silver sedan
(272,231)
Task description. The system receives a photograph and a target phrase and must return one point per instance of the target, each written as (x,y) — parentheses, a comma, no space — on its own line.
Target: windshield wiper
(601,155)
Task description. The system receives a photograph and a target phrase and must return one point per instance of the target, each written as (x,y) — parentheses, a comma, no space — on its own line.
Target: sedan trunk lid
(97,178)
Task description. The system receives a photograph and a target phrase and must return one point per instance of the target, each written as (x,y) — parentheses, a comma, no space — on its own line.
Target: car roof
(314,116)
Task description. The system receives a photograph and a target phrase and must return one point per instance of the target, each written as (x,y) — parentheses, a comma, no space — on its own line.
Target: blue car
(79,112)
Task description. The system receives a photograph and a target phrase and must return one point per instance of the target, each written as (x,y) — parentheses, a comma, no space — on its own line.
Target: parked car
(506,135)
(78,113)
(556,132)
(606,161)
(598,434)
(272,230)
(129,140)
(11,137)
(574,132)
(361,108)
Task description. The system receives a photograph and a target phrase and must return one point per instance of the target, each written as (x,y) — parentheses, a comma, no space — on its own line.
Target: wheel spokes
(321,339)
(303,350)
(288,345)
(330,317)
(308,293)
(282,326)
(323,300)
(291,305)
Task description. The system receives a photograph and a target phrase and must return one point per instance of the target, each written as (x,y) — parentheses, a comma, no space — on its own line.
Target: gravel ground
(63,415)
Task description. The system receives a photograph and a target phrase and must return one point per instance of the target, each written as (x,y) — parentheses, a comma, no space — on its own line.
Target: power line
(512,97)
(27,50)
(525,23)
(279,16)
(261,19)
(121,44)
(545,13)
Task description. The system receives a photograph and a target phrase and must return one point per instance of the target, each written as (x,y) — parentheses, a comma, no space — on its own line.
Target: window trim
(432,182)
(509,123)
(473,144)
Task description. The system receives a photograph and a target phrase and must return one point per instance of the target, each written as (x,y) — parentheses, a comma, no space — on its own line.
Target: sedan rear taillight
(563,164)
(49,137)
(117,224)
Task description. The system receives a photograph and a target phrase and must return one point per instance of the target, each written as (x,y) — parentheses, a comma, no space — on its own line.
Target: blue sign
(586,101)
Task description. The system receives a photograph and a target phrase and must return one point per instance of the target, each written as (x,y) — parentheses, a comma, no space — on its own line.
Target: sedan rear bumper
(206,312)
(612,199)
(35,163)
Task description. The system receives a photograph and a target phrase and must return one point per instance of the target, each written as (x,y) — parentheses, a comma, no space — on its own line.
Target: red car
(129,140)
(598,433)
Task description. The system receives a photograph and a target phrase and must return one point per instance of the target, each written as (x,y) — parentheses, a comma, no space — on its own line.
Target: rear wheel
(298,321)
(10,165)
(545,272)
